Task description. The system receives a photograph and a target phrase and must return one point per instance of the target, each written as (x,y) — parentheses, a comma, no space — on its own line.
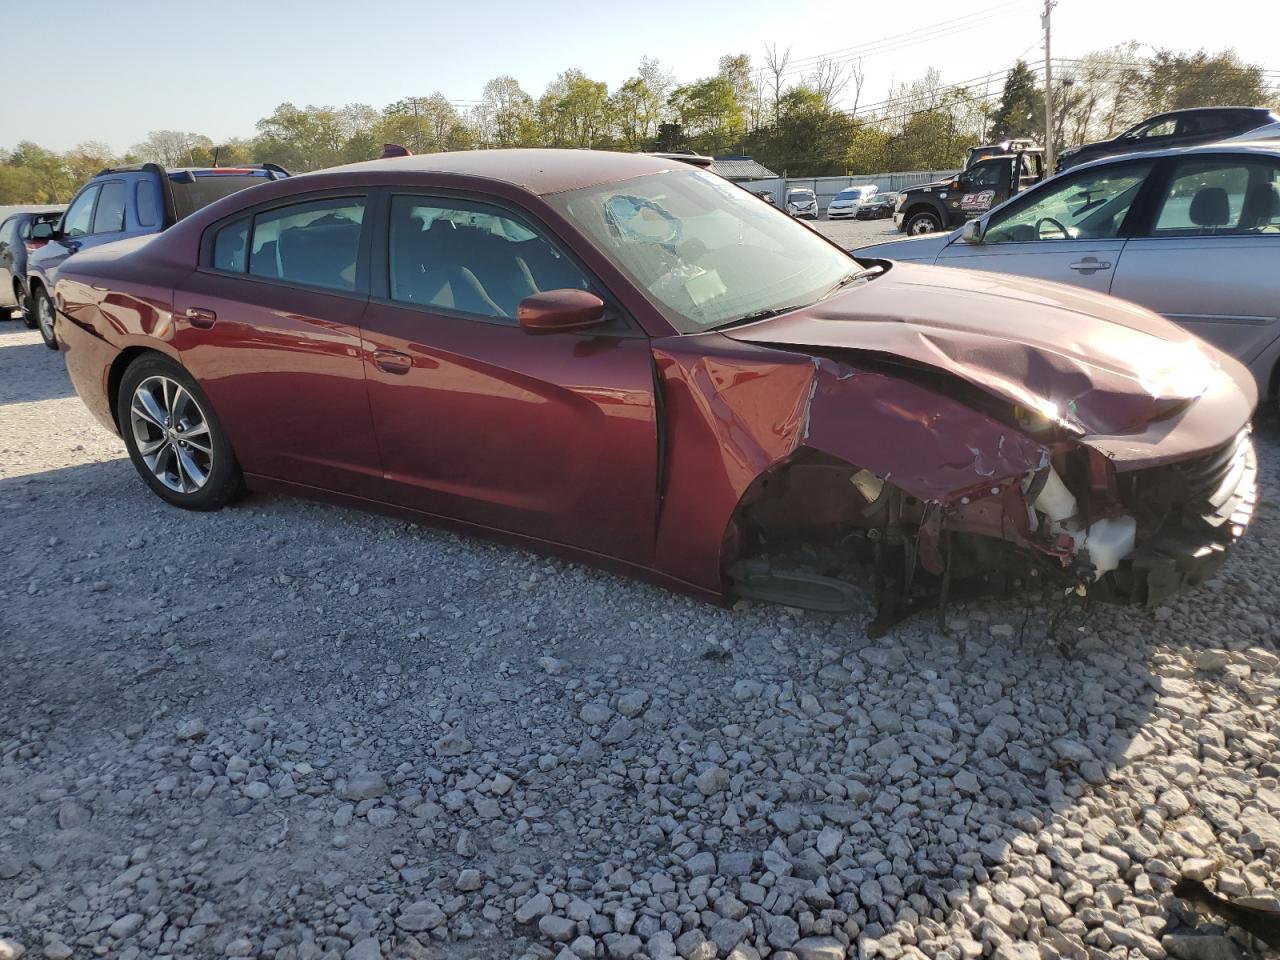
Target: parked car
(766,196)
(802,203)
(639,365)
(1177,128)
(1193,234)
(879,207)
(989,181)
(20,234)
(130,201)
(1270,131)
(845,203)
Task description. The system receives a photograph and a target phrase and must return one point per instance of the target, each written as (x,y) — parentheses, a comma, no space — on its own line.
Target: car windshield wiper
(759,315)
(776,311)
(851,278)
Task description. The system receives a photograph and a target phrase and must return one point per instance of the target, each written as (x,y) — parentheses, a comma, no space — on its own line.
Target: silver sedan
(1193,234)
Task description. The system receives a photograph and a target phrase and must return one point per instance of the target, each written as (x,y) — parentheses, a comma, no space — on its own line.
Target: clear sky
(121,68)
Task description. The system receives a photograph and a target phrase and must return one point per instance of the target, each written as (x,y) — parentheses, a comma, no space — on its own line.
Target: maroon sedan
(636,363)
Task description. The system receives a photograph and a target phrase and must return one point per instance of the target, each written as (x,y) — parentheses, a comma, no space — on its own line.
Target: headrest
(1210,208)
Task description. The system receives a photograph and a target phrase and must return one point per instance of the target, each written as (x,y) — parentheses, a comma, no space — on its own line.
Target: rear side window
(230,244)
(146,203)
(9,231)
(80,212)
(316,243)
(1217,196)
(191,192)
(109,217)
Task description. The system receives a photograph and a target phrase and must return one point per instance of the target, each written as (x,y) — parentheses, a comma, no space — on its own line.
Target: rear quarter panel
(111,300)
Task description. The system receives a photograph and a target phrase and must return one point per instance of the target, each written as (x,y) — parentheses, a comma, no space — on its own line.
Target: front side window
(1220,196)
(109,217)
(1090,206)
(702,252)
(79,215)
(315,243)
(471,258)
(1153,128)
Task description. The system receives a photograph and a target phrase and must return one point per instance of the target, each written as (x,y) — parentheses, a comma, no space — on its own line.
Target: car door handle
(1090,265)
(202,318)
(392,361)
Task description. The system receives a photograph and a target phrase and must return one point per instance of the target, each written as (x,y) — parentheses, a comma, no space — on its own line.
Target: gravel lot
(856,233)
(287,730)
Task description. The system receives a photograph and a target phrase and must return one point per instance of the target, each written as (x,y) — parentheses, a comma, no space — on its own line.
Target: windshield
(853,194)
(705,252)
(800,195)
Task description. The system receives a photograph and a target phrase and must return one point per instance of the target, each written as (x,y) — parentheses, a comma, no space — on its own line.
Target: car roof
(540,171)
(1267,148)
(1170,113)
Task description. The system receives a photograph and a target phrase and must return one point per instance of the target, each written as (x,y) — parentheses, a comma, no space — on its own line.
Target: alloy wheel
(172,434)
(44,316)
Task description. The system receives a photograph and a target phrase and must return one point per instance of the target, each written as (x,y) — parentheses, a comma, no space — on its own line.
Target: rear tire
(924,222)
(44,317)
(22,305)
(174,437)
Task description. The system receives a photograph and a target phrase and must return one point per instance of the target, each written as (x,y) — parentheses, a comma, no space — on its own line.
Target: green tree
(574,111)
(1172,81)
(23,185)
(85,160)
(1021,109)
(507,116)
(46,173)
(709,114)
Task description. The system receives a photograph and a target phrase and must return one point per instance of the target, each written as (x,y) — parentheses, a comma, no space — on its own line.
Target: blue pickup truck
(130,201)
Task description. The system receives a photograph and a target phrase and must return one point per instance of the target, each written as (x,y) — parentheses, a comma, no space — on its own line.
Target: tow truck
(993,173)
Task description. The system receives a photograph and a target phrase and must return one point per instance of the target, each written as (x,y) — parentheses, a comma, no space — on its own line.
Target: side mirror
(957,184)
(560,310)
(972,232)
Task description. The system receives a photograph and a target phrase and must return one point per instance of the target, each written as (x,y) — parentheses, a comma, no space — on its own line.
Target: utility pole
(1048,89)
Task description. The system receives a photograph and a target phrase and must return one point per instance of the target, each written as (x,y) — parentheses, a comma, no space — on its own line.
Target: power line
(906,38)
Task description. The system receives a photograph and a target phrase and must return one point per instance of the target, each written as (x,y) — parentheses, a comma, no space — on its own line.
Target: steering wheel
(1044,220)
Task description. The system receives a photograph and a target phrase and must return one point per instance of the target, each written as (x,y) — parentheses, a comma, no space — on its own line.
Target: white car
(802,203)
(846,202)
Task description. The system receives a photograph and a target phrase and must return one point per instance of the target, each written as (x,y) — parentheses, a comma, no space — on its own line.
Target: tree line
(808,118)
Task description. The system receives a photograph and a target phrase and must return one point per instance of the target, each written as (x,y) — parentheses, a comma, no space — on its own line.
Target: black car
(20,233)
(879,207)
(1177,128)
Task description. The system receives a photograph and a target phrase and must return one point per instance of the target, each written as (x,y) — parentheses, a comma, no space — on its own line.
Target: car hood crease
(1102,366)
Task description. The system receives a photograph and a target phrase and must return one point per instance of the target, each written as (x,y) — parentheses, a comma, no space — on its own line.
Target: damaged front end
(943,492)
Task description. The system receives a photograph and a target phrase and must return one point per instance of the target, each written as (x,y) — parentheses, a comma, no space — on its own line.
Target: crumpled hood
(1099,365)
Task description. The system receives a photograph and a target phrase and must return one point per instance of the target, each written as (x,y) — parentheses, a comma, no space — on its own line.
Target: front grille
(1189,514)
(1220,487)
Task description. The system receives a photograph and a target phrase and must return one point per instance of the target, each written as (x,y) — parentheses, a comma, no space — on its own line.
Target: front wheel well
(116,374)
(919,207)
